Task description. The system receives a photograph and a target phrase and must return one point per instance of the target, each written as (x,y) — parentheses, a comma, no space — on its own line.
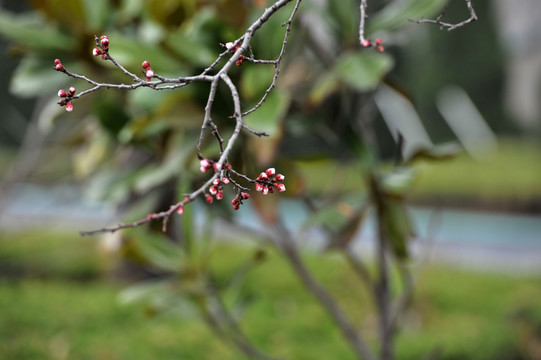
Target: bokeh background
(119,156)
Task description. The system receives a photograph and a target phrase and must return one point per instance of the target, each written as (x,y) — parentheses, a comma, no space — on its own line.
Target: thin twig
(449,26)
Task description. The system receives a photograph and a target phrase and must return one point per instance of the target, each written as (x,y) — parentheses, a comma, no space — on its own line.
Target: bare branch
(448,26)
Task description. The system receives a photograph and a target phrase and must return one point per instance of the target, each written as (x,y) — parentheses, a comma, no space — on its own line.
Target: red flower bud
(380,48)
(220,195)
(71,90)
(281,187)
(69,107)
(97,52)
(180,210)
(62,93)
(378,41)
(365,43)
(279,177)
(270,172)
(149,74)
(209,198)
(57,61)
(244,195)
(145,64)
(225,180)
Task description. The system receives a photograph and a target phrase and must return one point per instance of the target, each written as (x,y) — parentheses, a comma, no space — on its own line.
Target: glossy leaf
(363,70)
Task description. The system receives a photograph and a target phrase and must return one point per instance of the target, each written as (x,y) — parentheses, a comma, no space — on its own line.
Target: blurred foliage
(137,149)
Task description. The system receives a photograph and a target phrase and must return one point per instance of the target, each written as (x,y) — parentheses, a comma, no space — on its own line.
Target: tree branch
(448,26)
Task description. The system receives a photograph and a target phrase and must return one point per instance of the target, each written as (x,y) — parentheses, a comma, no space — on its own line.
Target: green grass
(511,173)
(51,315)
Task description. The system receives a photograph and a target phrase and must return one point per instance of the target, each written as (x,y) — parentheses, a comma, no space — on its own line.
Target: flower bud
(219,195)
(244,195)
(97,52)
(71,90)
(149,74)
(279,177)
(62,93)
(180,210)
(378,41)
(69,107)
(281,187)
(209,198)
(265,190)
(213,190)
(258,187)
(270,172)
(57,61)
(145,64)
(216,181)
(263,176)
(366,43)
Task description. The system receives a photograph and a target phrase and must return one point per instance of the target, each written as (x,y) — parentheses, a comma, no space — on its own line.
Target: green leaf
(363,70)
(398,227)
(397,13)
(269,116)
(326,85)
(32,32)
(438,153)
(158,251)
(255,80)
(399,181)
(35,76)
(98,13)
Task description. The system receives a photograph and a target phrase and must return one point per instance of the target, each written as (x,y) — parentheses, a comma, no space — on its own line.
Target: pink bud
(59,67)
(62,93)
(209,198)
(279,177)
(145,64)
(378,41)
(104,41)
(235,201)
(57,61)
(365,43)
(265,190)
(72,90)
(149,74)
(216,181)
(244,195)
(258,187)
(281,187)
(219,195)
(263,176)
(97,51)
(229,45)
(217,167)
(225,180)
(213,190)
(69,107)
(203,169)
(180,210)
(270,172)
(380,48)
(204,163)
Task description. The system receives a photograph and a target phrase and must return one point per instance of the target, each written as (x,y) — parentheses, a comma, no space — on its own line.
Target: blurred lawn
(49,313)
(511,174)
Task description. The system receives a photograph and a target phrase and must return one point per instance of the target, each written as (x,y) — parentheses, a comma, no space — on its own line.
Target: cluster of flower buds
(66,98)
(268,180)
(376,43)
(103,48)
(149,73)
(237,201)
(58,65)
(217,189)
(206,165)
(233,48)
